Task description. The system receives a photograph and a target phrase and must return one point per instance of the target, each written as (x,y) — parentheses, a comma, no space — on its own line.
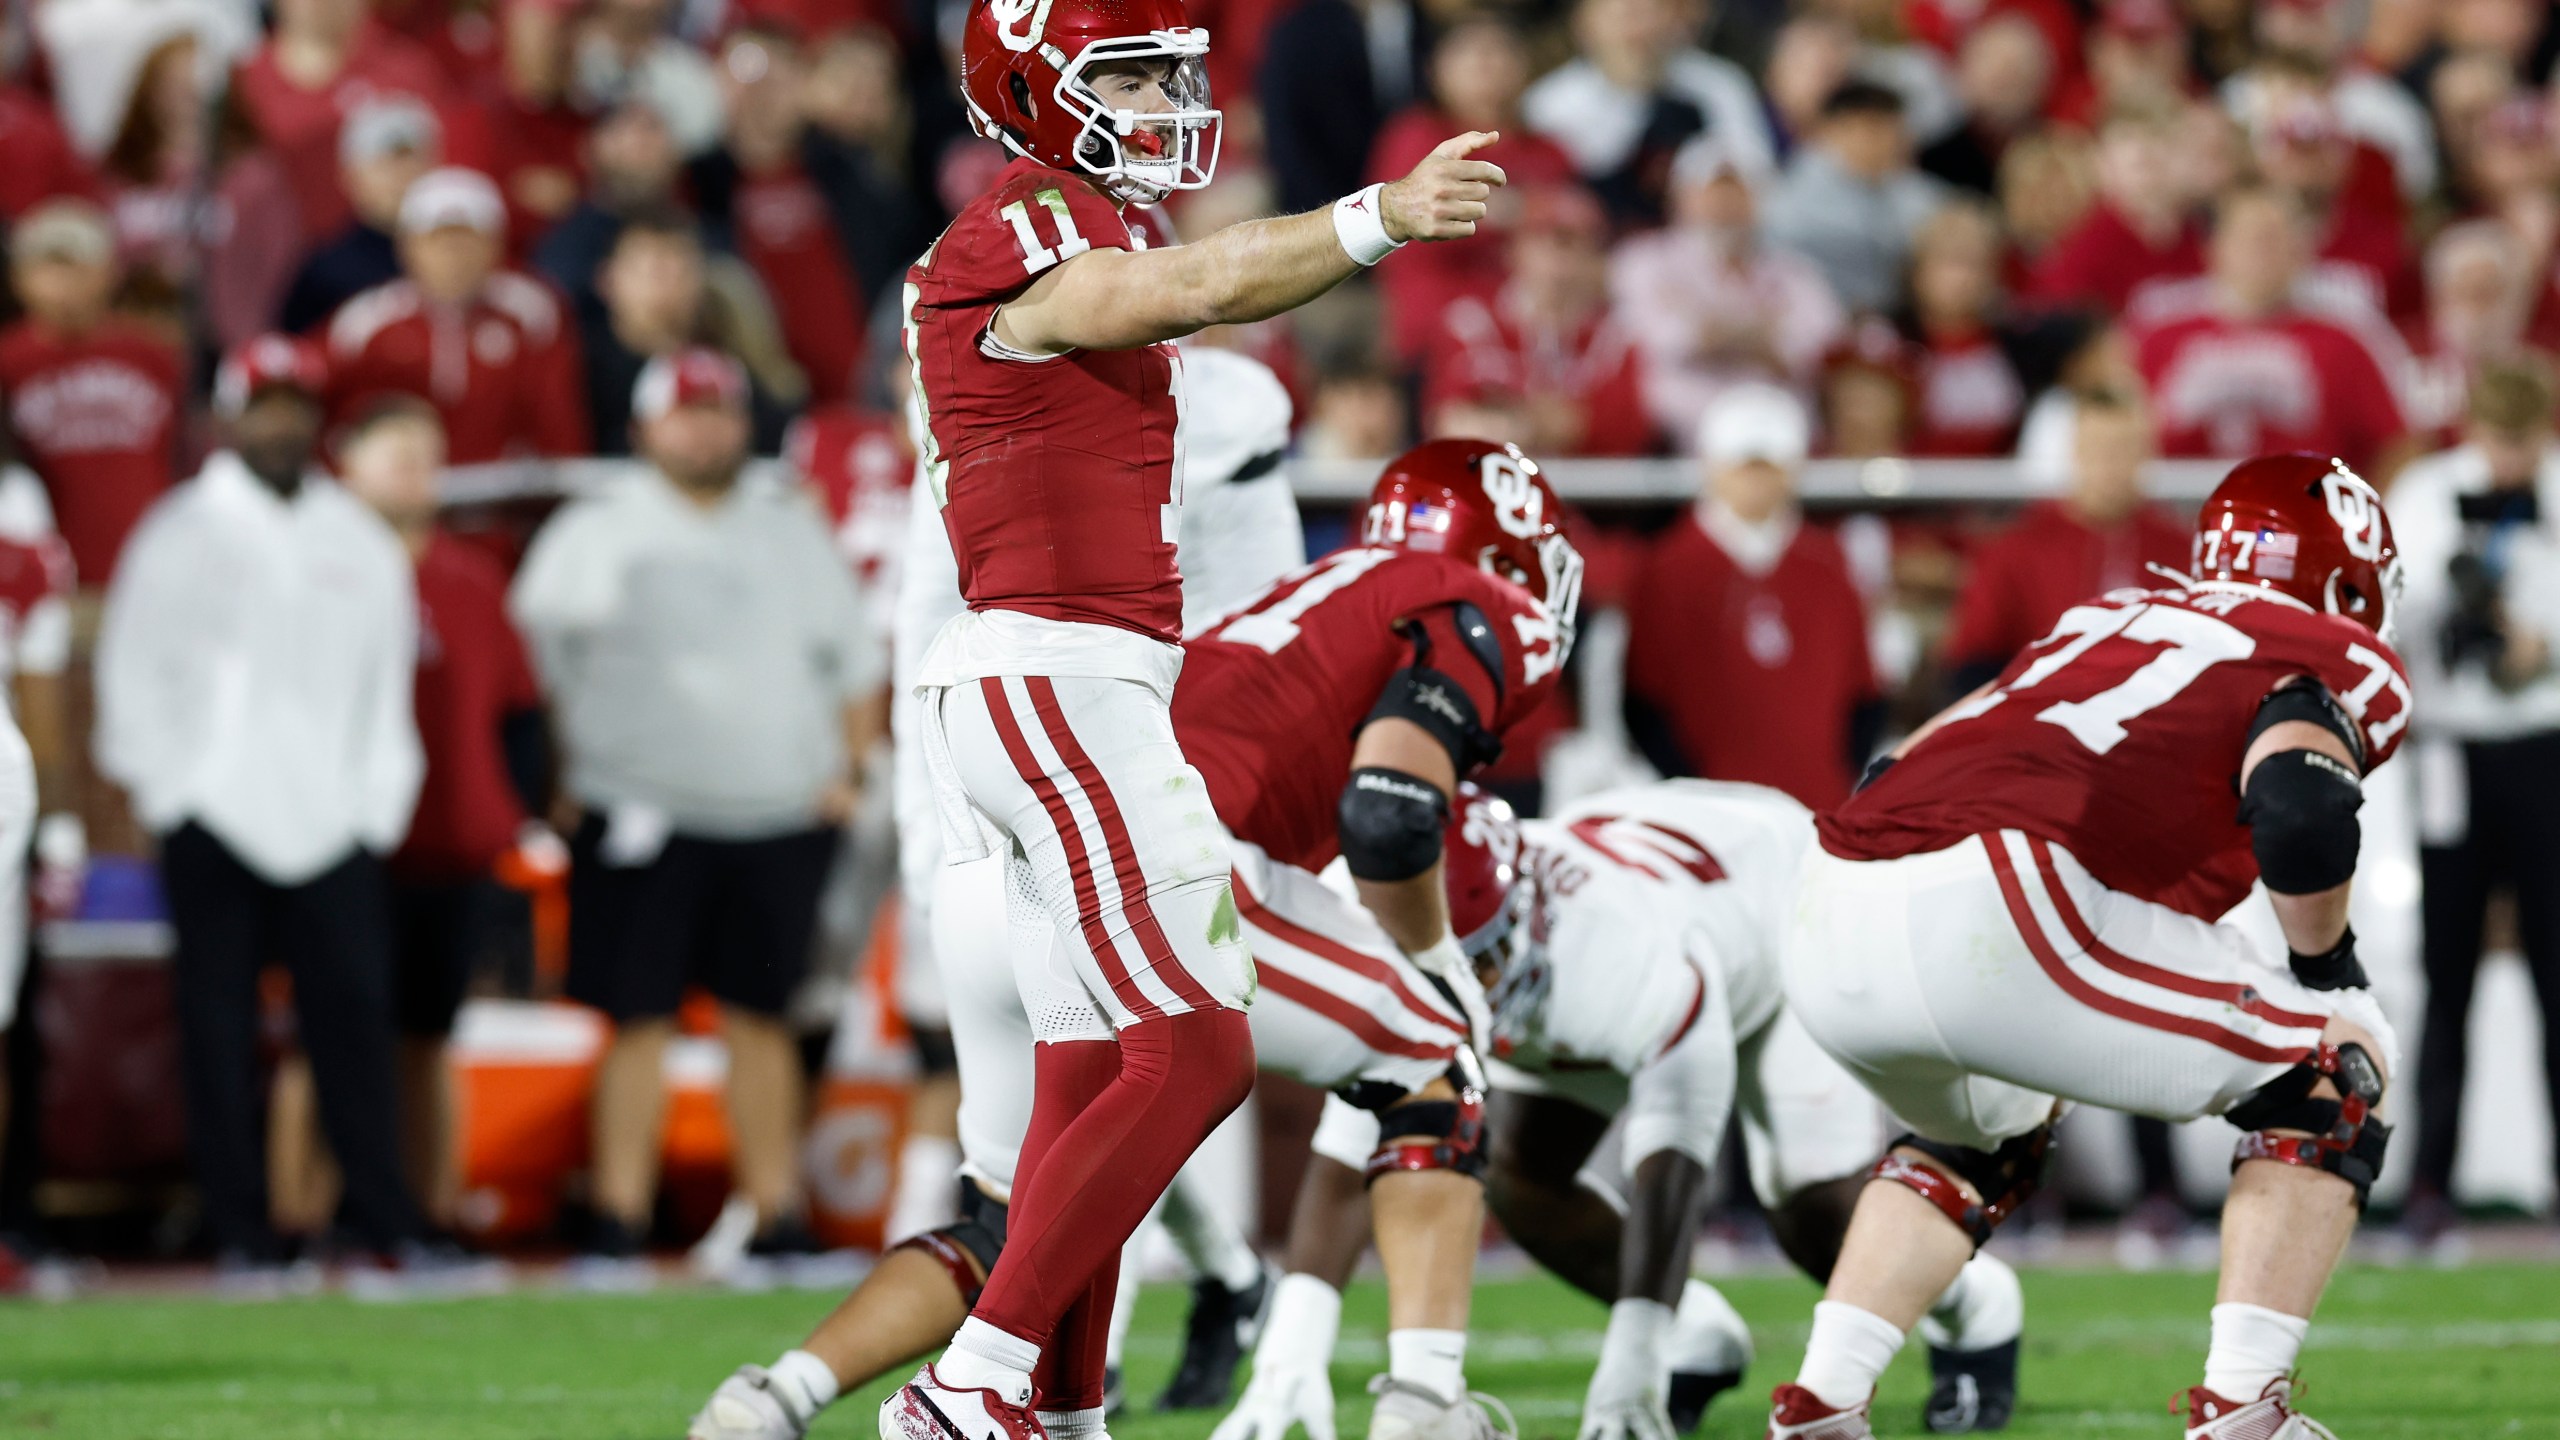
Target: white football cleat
(748,1406)
(1406,1411)
(2269,1417)
(926,1409)
(1796,1413)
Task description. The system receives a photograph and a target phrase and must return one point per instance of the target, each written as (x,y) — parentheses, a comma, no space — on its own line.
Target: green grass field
(2447,1355)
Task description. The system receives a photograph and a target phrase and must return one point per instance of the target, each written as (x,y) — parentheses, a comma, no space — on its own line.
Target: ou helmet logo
(1517,505)
(1019,23)
(2356,508)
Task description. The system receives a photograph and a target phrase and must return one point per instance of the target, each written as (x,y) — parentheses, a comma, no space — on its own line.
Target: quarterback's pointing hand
(1444,197)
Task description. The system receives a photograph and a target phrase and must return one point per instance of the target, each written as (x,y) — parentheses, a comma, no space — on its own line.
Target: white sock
(805,1383)
(928,1186)
(1847,1353)
(1708,1338)
(983,1357)
(1436,1360)
(1982,1308)
(1211,1246)
(2252,1345)
(1071,1424)
(1304,1320)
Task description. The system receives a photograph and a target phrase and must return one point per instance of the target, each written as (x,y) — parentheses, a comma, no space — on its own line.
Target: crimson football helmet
(1489,505)
(1480,867)
(1026,73)
(2304,526)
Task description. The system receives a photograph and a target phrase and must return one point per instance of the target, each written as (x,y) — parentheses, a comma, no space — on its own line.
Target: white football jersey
(1651,899)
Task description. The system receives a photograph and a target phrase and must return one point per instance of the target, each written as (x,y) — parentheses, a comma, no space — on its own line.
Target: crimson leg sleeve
(1080,1194)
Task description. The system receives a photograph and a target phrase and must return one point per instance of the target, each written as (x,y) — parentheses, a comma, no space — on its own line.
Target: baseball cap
(63,230)
(264,361)
(691,376)
(387,126)
(1755,422)
(1707,158)
(451,197)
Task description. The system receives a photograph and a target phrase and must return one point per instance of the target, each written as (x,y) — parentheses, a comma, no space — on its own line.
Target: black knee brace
(967,1248)
(2342,1136)
(1455,1129)
(2004,1177)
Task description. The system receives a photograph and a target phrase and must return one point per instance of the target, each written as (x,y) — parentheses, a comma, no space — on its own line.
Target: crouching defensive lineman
(2020,912)
(1630,945)
(1334,715)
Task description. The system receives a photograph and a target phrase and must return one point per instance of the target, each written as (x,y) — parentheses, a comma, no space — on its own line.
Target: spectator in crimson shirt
(1548,338)
(1478,73)
(2099,535)
(2481,294)
(37,162)
(382,150)
(2251,367)
(480,724)
(1970,395)
(93,397)
(325,59)
(493,350)
(808,214)
(1747,641)
(2140,230)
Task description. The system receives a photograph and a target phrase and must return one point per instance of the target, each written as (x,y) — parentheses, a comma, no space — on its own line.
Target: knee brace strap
(967,1248)
(1455,1128)
(2004,1177)
(2343,1137)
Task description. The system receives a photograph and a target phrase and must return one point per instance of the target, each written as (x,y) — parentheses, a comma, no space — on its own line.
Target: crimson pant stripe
(1368,967)
(1124,855)
(1363,1026)
(2032,931)
(2087,939)
(1097,936)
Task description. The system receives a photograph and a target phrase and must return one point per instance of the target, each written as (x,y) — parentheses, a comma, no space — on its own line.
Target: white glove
(1449,964)
(1292,1382)
(1278,1398)
(1629,1399)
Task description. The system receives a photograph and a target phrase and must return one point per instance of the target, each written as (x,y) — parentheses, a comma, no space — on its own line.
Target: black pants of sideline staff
(332,933)
(2513,843)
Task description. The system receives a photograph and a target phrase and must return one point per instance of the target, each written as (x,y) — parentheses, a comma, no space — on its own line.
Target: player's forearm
(1414,913)
(2313,924)
(1661,1227)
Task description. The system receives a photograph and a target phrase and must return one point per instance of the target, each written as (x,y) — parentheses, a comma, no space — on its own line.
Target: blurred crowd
(1746,232)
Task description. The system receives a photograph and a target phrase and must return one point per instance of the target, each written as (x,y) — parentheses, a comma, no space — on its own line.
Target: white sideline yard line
(1359,1347)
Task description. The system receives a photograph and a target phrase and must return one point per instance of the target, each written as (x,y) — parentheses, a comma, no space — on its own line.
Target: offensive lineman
(1629,947)
(1336,713)
(1051,402)
(2022,908)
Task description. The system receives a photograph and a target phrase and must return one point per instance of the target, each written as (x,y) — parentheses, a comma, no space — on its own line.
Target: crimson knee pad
(2005,1177)
(2341,1136)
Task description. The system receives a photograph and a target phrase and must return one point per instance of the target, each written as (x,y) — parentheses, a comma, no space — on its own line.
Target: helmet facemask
(1141,156)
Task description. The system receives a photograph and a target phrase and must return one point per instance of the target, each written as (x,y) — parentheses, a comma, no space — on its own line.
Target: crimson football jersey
(2119,737)
(1273,696)
(1059,476)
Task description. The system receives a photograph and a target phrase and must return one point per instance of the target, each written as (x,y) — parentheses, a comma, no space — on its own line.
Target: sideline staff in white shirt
(2479,533)
(253,698)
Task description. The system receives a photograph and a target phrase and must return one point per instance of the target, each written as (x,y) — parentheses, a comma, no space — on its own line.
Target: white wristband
(1360,223)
